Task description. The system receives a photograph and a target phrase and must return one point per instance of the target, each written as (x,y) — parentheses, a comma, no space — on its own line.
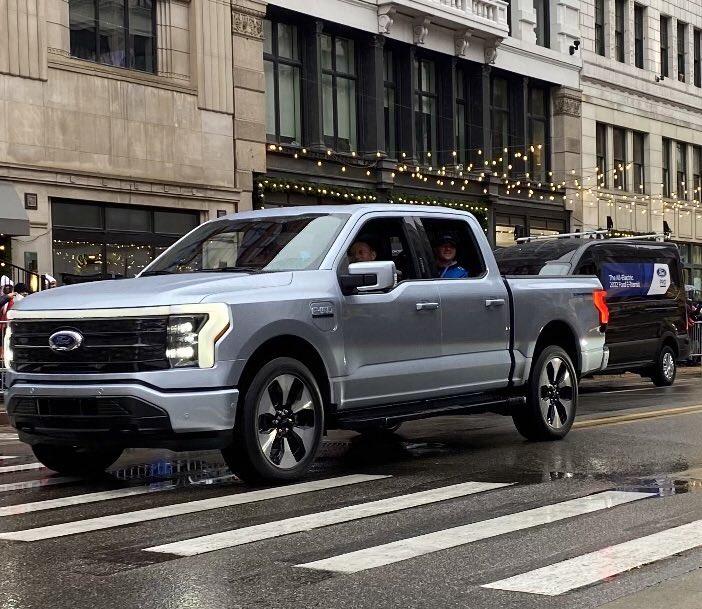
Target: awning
(13,217)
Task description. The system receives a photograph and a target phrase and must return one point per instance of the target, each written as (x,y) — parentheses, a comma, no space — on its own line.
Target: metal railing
(3,327)
(17,274)
(695,332)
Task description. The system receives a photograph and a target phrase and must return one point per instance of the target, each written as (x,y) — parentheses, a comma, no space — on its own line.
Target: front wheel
(279,428)
(76,460)
(665,368)
(552,397)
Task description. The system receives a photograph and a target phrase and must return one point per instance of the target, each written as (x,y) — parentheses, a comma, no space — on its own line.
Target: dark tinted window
(125,218)
(76,215)
(530,258)
(174,222)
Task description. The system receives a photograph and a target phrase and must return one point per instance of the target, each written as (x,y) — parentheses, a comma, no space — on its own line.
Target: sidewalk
(683,592)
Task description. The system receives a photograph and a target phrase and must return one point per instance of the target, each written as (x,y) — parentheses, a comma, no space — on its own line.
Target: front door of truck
(392,339)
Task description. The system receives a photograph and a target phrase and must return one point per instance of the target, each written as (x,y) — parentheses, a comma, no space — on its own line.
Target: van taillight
(600,299)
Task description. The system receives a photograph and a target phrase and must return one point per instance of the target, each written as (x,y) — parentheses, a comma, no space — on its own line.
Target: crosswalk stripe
(8,457)
(28,484)
(50,504)
(596,566)
(179,509)
(268,530)
(7,469)
(413,547)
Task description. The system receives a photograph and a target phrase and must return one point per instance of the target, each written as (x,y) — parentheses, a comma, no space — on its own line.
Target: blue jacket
(454,271)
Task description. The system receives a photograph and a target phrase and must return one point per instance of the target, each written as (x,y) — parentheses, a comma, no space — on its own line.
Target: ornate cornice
(567,104)
(247,23)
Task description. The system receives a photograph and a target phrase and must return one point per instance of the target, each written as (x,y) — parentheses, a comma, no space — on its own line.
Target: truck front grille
(109,345)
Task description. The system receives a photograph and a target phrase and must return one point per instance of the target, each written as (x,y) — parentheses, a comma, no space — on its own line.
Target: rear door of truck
(475,314)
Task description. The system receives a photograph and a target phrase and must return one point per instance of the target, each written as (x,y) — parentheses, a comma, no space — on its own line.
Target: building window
(599,27)
(698,57)
(697,173)
(339,92)
(681,169)
(461,110)
(639,20)
(119,33)
(538,132)
(389,103)
(542,23)
(425,102)
(619,158)
(665,164)
(93,241)
(639,171)
(499,107)
(281,60)
(619,19)
(665,24)
(682,50)
(601,146)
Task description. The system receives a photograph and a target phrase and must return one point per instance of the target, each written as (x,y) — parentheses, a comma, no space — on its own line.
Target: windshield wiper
(152,273)
(232,269)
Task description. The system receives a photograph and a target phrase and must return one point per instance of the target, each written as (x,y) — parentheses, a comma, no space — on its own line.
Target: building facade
(470,103)
(642,121)
(123,124)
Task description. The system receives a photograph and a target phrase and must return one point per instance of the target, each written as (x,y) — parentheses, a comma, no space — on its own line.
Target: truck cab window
(442,233)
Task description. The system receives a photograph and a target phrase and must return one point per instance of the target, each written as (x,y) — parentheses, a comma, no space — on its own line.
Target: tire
(552,397)
(272,440)
(665,368)
(76,460)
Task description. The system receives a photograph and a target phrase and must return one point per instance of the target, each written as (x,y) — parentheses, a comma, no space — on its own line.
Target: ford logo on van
(661,272)
(65,340)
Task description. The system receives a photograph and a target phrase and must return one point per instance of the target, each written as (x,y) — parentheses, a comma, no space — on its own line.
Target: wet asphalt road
(109,567)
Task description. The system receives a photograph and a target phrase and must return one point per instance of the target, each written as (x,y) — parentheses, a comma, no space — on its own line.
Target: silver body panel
(377,348)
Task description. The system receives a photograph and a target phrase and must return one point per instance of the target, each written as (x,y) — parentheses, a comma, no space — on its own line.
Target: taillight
(599,297)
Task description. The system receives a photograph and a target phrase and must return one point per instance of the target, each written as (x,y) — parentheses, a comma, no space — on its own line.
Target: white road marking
(268,530)
(27,484)
(596,566)
(652,388)
(7,469)
(50,504)
(178,509)
(8,457)
(413,547)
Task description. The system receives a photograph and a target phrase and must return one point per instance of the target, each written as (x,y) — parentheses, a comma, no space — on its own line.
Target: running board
(424,409)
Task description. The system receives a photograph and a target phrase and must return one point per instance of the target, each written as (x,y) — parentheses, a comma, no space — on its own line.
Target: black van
(647,330)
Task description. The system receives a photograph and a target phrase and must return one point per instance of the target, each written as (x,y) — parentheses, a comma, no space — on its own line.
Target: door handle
(427,306)
(494,302)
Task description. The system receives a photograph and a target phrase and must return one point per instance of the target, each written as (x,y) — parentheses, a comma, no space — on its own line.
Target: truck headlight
(7,354)
(182,340)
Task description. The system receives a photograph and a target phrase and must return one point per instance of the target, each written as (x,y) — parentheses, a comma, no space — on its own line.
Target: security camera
(576,43)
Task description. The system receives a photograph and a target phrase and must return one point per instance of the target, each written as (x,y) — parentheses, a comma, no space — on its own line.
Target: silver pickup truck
(256,333)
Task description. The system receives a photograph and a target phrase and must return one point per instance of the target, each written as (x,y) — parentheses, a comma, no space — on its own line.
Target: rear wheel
(552,397)
(280,426)
(76,460)
(665,368)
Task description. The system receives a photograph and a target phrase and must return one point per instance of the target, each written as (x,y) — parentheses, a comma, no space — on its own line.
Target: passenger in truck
(445,253)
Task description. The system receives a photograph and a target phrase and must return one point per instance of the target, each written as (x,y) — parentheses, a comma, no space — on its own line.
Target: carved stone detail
(568,104)
(421,29)
(61,52)
(386,17)
(247,25)
(462,43)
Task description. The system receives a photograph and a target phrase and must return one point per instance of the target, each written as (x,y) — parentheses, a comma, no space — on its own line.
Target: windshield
(274,243)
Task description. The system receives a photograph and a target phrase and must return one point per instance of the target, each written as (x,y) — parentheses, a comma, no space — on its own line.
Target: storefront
(92,241)
(691,256)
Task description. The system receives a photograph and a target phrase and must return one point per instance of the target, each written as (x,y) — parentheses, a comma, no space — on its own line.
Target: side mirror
(369,277)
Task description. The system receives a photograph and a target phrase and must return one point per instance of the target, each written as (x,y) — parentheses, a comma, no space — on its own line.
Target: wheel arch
(560,334)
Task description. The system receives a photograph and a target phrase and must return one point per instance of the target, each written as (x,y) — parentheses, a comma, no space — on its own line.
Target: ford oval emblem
(661,272)
(65,340)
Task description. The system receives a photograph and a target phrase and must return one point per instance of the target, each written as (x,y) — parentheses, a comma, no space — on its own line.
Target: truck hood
(159,290)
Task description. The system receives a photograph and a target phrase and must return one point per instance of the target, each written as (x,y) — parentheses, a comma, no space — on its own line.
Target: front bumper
(131,414)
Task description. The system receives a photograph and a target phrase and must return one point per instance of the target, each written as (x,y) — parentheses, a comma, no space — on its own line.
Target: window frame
(619,164)
(664,45)
(680,176)
(639,35)
(601,130)
(532,118)
(600,48)
(697,57)
(697,173)
(503,112)
(390,122)
(332,141)
(541,7)
(682,51)
(639,184)
(620,12)
(128,49)
(665,166)
(428,156)
(276,59)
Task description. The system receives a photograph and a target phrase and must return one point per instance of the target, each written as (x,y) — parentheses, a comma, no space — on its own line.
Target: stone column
(173,39)
(249,94)
(23,38)
(373,100)
(654,177)
(566,140)
(58,31)
(523,24)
